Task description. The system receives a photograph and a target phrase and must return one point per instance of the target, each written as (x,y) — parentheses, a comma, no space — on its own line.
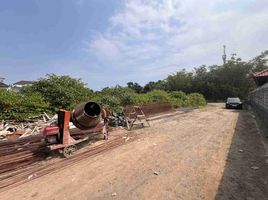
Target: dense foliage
(18,106)
(60,91)
(33,101)
(116,98)
(216,82)
(181,88)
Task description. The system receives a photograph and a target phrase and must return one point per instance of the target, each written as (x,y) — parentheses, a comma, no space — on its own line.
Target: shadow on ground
(245,174)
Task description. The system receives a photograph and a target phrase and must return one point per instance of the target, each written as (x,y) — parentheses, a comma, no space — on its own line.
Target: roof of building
(261,77)
(262,73)
(23,82)
(3,84)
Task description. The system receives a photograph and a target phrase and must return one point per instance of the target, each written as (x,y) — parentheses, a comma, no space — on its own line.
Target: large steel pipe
(86,115)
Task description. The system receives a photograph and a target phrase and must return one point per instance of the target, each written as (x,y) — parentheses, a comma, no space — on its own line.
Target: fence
(259,100)
(152,109)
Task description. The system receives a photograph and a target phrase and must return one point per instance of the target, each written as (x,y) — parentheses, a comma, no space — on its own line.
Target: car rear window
(233,100)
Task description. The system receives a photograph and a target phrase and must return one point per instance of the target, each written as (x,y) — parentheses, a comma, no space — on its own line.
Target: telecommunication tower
(224,55)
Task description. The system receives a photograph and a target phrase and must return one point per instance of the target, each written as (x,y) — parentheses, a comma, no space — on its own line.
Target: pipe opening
(92,109)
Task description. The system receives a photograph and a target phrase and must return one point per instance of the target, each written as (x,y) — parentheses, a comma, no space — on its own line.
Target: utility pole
(224,55)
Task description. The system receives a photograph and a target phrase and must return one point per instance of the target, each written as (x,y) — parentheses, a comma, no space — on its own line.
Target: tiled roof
(3,84)
(23,82)
(262,73)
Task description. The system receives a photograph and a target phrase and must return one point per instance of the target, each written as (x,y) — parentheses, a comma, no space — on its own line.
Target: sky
(110,42)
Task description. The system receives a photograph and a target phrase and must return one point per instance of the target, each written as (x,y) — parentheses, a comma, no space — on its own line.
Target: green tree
(135,87)
(116,98)
(159,85)
(259,63)
(216,82)
(60,91)
(233,79)
(180,81)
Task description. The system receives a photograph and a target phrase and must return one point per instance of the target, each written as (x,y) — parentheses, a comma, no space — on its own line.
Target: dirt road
(207,153)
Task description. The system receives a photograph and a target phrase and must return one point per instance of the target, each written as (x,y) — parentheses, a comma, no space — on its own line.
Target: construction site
(133,100)
(163,153)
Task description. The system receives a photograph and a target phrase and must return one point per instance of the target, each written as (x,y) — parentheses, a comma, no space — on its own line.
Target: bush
(157,96)
(176,103)
(177,99)
(178,95)
(142,99)
(112,103)
(116,98)
(16,106)
(196,99)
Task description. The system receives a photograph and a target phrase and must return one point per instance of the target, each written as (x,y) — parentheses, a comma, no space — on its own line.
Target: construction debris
(23,154)
(12,130)
(117,120)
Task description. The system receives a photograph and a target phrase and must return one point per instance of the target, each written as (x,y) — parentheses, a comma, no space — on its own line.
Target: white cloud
(104,47)
(144,15)
(160,37)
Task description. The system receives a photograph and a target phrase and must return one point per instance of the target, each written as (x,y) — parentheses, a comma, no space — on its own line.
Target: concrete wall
(259,101)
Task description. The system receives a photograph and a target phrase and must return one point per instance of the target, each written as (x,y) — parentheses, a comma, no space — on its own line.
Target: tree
(135,87)
(180,81)
(61,92)
(216,82)
(259,62)
(116,98)
(159,85)
(230,79)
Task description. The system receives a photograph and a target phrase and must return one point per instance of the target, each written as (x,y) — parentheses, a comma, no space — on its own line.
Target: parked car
(233,102)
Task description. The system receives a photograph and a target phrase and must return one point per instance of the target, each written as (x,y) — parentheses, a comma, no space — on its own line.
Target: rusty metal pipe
(86,115)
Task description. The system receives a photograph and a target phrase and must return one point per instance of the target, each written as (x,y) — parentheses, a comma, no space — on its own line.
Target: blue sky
(109,42)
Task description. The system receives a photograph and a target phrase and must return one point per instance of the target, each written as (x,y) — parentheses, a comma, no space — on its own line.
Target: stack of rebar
(31,168)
